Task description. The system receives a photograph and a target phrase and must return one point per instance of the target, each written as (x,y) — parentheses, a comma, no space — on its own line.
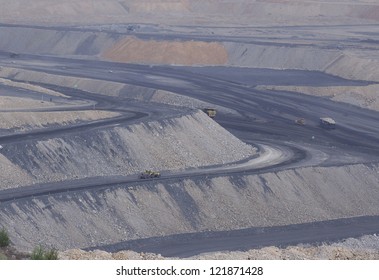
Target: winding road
(263,118)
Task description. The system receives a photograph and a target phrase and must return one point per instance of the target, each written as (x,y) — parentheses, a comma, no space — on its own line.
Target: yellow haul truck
(210,112)
(148,174)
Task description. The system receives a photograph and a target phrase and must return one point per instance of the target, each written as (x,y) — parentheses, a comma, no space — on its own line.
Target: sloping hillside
(190,140)
(121,213)
(192,12)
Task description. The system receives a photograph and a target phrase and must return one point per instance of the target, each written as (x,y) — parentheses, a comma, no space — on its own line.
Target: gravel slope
(189,12)
(134,50)
(186,141)
(21,121)
(220,203)
(93,218)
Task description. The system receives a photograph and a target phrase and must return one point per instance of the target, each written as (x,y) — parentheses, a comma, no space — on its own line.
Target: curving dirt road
(265,119)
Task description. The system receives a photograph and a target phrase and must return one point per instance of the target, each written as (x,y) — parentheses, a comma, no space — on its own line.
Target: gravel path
(186,141)
(93,218)
(335,251)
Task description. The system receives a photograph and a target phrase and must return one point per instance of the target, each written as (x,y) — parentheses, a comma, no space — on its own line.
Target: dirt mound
(134,50)
(191,140)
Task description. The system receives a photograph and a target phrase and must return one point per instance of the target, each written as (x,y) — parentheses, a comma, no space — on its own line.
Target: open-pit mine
(106,143)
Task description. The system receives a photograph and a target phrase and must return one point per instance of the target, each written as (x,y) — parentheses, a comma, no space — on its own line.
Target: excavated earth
(134,211)
(191,140)
(339,38)
(364,248)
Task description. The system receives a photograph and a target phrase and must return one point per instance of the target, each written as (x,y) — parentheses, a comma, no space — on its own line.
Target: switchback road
(264,119)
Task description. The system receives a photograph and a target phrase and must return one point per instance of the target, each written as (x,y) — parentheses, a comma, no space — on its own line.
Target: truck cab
(210,112)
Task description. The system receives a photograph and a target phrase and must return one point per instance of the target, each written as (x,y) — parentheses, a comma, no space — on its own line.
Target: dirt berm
(98,217)
(188,12)
(364,248)
(189,140)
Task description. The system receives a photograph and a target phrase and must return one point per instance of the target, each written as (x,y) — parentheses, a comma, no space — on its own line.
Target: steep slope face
(48,41)
(56,11)
(190,12)
(91,218)
(191,140)
(364,248)
(350,63)
(279,57)
(356,65)
(21,121)
(133,50)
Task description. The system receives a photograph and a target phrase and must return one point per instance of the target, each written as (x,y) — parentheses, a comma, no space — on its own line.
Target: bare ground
(336,251)
(191,140)
(362,96)
(189,12)
(152,209)
(133,50)
(348,64)
(21,121)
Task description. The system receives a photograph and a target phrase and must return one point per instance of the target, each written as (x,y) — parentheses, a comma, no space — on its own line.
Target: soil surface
(93,92)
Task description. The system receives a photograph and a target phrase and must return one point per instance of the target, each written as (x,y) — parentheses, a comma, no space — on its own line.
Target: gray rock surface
(186,141)
(90,218)
(364,248)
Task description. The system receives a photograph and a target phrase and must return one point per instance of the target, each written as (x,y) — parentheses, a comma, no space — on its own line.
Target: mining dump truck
(300,121)
(148,174)
(210,112)
(328,123)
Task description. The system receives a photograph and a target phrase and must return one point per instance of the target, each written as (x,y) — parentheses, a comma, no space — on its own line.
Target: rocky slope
(352,61)
(193,12)
(133,50)
(21,121)
(191,140)
(93,218)
(364,248)
(121,213)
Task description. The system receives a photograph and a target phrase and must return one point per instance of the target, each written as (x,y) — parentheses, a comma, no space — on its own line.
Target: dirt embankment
(18,103)
(107,88)
(224,203)
(363,96)
(25,107)
(55,11)
(133,50)
(35,40)
(350,63)
(191,140)
(11,104)
(355,66)
(21,121)
(364,248)
(279,57)
(189,12)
